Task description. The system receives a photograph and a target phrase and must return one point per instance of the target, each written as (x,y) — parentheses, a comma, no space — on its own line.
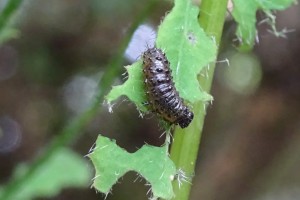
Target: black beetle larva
(162,95)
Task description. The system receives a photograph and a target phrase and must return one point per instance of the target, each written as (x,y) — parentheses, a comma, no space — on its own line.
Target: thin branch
(74,129)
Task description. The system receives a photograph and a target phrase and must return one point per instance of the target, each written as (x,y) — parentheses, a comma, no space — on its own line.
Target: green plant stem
(185,147)
(74,129)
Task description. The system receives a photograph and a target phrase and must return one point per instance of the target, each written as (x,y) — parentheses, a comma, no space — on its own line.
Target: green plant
(185,42)
(190,49)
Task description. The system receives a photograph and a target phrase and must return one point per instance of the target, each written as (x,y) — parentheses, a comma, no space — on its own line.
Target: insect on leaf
(188,49)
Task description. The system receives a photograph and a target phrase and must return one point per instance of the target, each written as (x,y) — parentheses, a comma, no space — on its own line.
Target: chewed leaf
(133,88)
(111,162)
(244,13)
(187,47)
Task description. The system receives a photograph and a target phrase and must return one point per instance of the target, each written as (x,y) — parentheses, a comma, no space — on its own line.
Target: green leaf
(244,13)
(64,169)
(187,48)
(133,88)
(111,162)
(275,4)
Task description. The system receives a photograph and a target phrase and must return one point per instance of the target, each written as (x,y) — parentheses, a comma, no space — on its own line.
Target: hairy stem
(185,147)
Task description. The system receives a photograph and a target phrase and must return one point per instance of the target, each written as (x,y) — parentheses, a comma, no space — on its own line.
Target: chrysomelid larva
(162,95)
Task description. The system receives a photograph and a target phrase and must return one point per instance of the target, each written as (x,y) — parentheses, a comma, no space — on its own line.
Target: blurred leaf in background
(64,169)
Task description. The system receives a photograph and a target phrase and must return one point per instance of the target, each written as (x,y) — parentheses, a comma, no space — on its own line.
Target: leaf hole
(192,38)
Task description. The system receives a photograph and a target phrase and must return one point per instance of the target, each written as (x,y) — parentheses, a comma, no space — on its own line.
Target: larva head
(186,118)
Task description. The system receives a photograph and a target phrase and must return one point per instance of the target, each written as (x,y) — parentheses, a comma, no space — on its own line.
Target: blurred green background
(57,52)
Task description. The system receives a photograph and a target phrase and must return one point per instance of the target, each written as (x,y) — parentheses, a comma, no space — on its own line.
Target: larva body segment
(161,92)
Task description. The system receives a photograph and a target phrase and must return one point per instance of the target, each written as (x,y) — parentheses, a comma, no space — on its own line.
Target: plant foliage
(244,13)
